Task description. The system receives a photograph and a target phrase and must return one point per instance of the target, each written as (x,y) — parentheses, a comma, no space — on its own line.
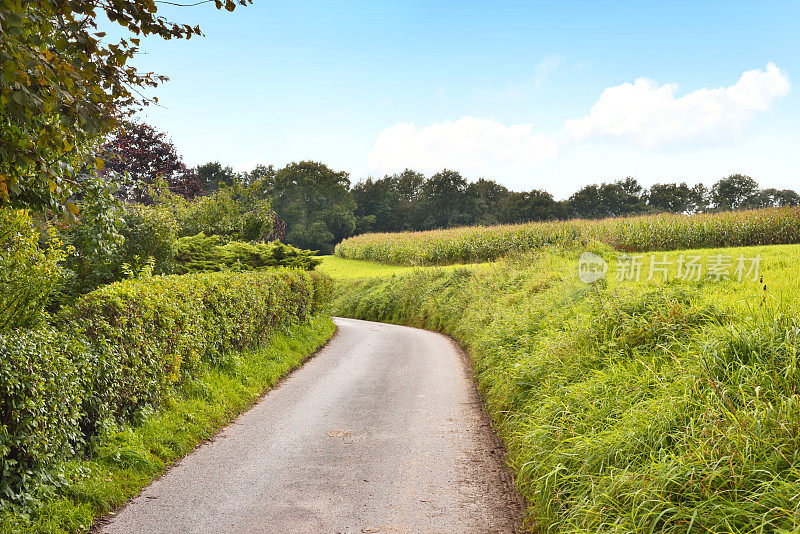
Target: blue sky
(549,95)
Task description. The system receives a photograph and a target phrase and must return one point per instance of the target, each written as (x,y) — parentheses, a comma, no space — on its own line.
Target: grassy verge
(645,406)
(124,461)
(343,268)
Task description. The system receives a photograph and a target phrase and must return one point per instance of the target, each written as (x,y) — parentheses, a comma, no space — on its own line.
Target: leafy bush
(29,272)
(235,213)
(206,253)
(146,231)
(149,232)
(41,393)
(771,226)
(132,342)
(150,334)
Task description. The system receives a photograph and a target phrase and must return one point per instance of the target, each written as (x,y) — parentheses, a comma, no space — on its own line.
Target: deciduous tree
(736,191)
(146,155)
(532,205)
(315,202)
(443,195)
(212,175)
(672,198)
(63,87)
(776,198)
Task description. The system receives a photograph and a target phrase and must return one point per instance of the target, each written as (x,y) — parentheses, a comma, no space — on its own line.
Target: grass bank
(343,268)
(121,462)
(626,406)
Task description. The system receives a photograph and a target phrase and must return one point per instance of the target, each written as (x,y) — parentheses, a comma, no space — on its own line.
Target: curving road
(382,431)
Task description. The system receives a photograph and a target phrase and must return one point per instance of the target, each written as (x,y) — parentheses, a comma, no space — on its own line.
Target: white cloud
(642,113)
(468,144)
(545,68)
(650,115)
(541,73)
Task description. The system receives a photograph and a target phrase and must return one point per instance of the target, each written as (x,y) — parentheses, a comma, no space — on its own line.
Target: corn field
(771,226)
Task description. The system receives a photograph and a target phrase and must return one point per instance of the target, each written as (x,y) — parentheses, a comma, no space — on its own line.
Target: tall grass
(651,407)
(646,233)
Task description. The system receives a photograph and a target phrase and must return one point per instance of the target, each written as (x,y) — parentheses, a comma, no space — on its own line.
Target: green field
(779,271)
(625,406)
(642,233)
(341,268)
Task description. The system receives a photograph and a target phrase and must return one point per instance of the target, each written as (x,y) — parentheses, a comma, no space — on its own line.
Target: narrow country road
(381,432)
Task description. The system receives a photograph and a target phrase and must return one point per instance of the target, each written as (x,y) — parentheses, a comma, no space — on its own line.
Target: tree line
(320,206)
(65,89)
(410,201)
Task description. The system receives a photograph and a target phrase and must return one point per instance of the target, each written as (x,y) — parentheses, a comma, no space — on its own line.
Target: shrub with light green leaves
(149,232)
(151,333)
(236,212)
(129,345)
(42,390)
(201,253)
(146,232)
(29,271)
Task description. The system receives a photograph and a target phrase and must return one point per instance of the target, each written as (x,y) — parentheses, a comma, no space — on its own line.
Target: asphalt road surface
(382,431)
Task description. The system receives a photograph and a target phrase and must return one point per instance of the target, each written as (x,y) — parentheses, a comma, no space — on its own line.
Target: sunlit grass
(341,268)
(626,406)
(779,271)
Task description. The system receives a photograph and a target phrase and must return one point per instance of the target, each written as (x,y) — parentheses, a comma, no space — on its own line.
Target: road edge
(103,519)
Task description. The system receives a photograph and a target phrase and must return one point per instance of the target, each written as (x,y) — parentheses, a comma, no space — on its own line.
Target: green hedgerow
(125,347)
(149,334)
(42,390)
